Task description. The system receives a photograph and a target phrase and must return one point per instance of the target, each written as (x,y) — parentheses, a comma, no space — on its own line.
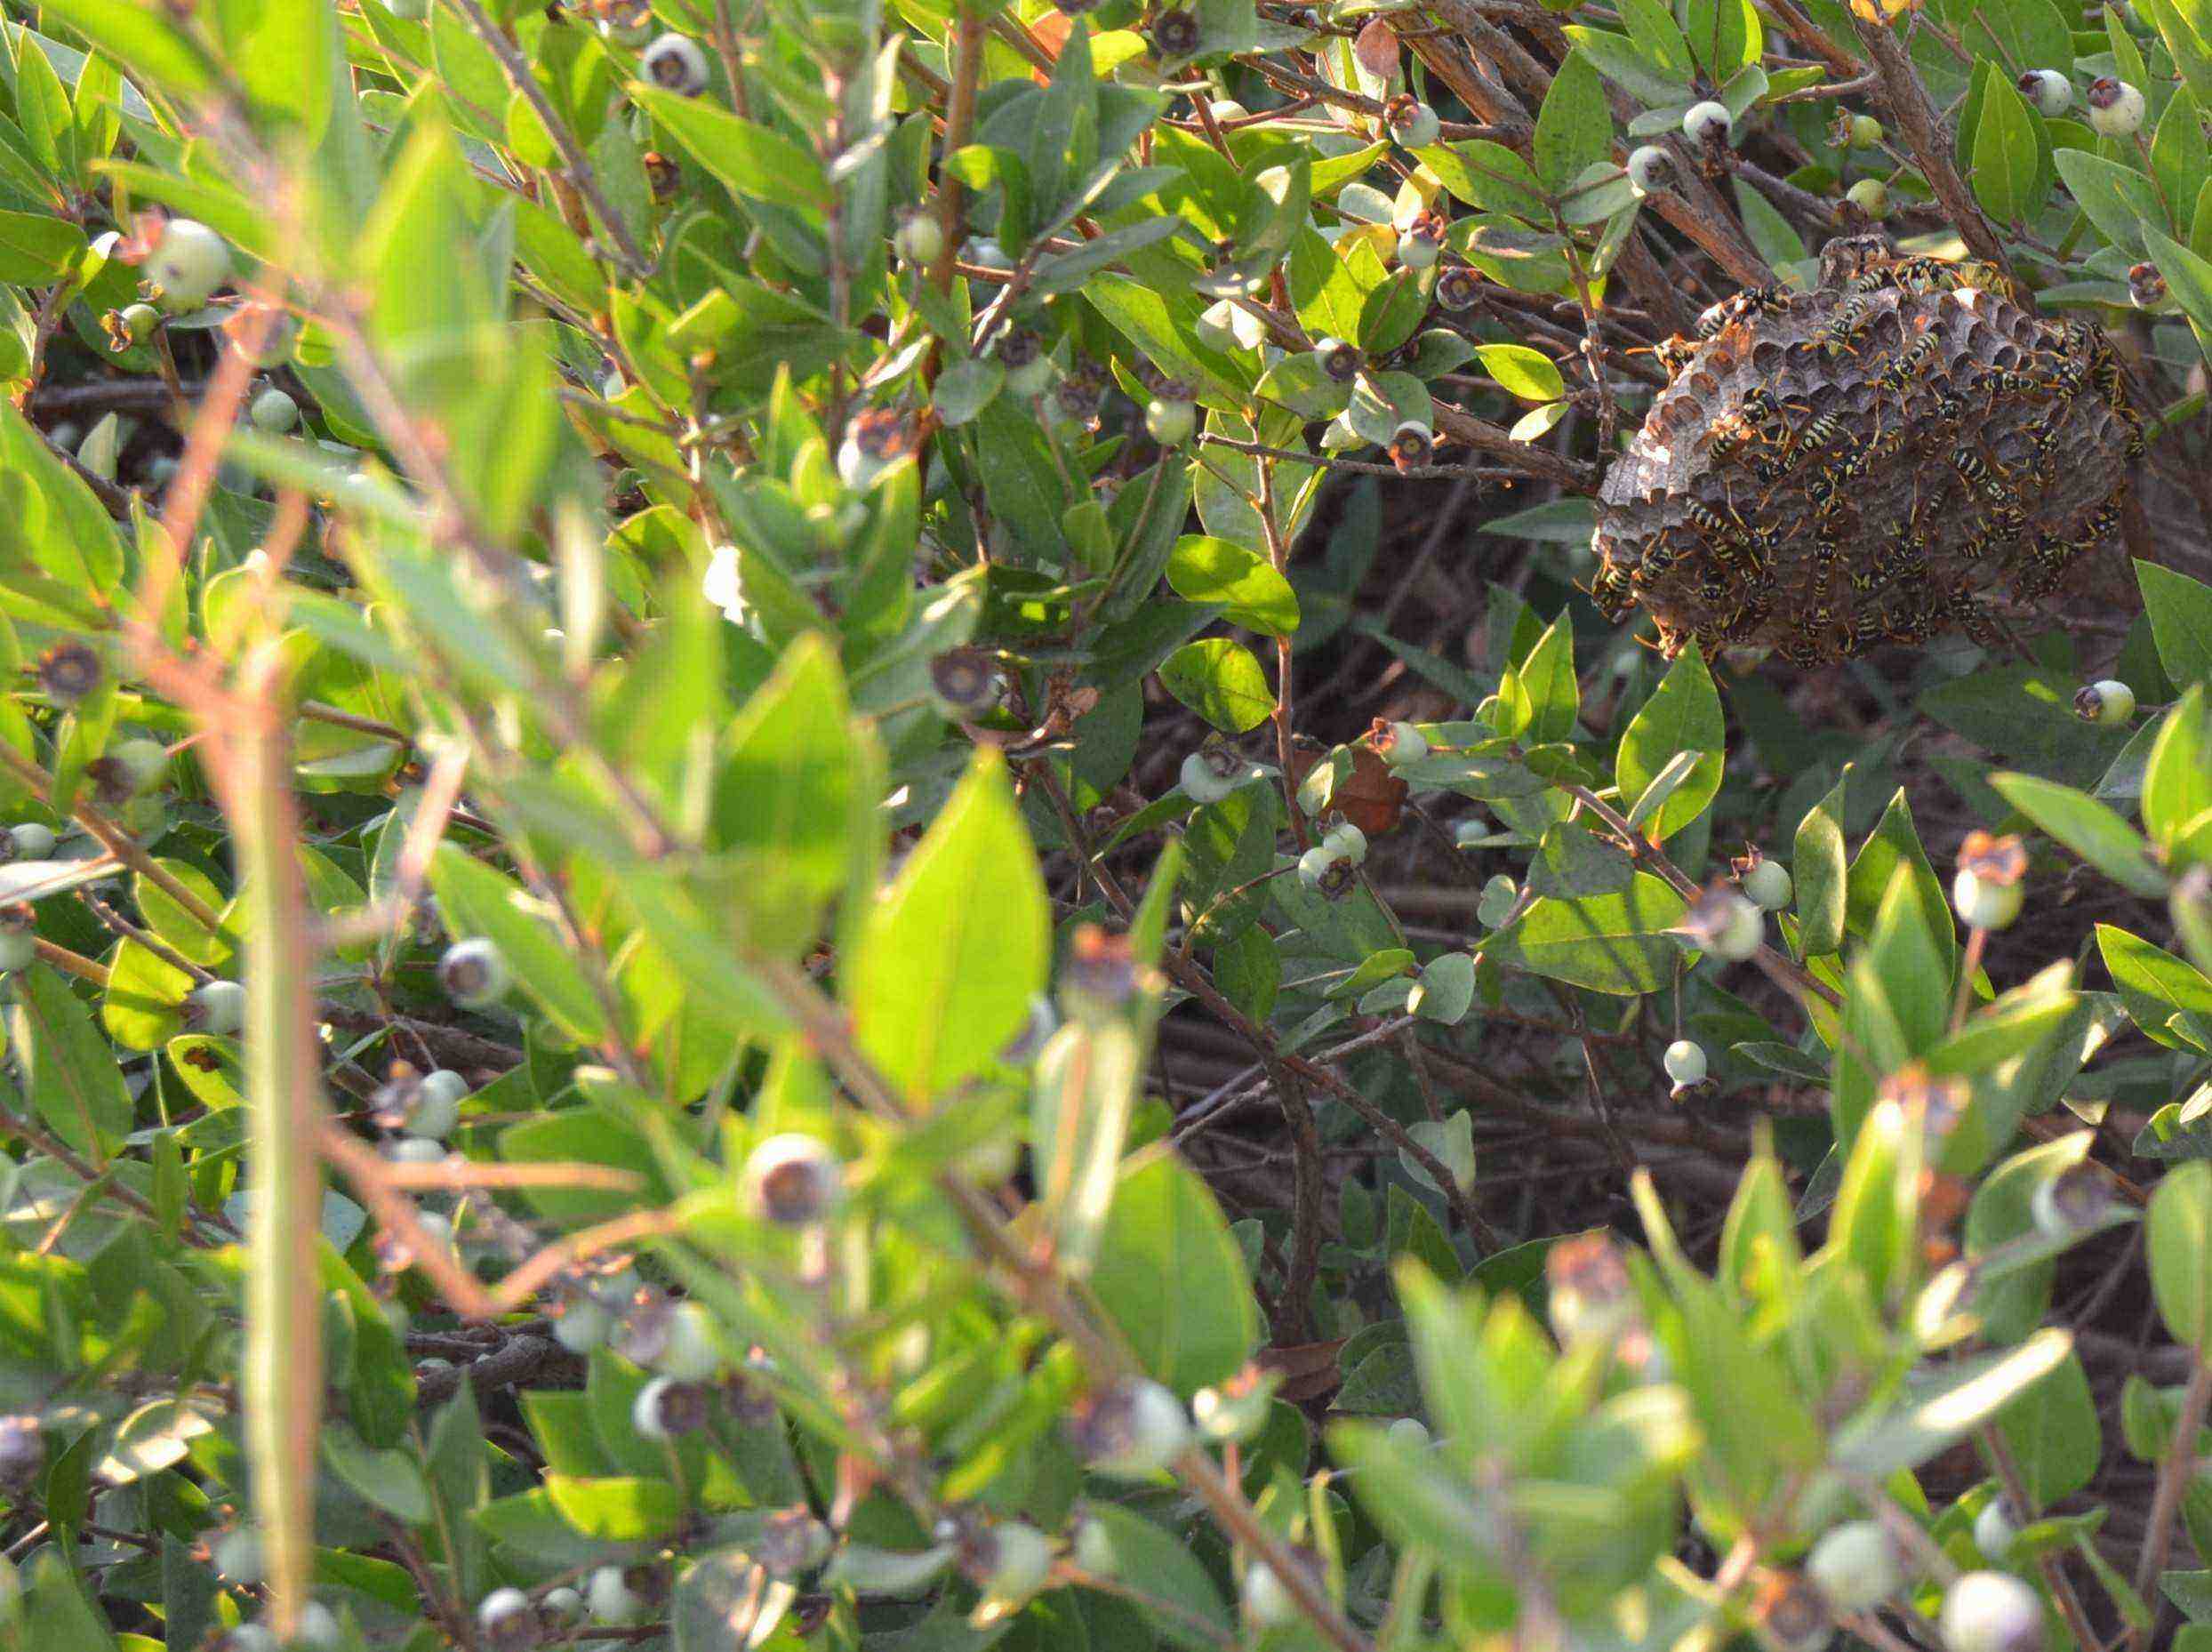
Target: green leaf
(965,388)
(67,1067)
(1948,1404)
(756,163)
(1539,700)
(2178,1235)
(2180,610)
(2117,199)
(2094,832)
(1574,127)
(2053,1430)
(34,248)
(1613,943)
(1894,843)
(1175,1593)
(1816,869)
(1625,63)
(2005,155)
(616,1508)
(2178,776)
(1446,991)
(1724,35)
(1682,715)
(1221,681)
(2188,278)
(1527,374)
(950,958)
(1172,1277)
(2156,985)
(478,901)
(1250,592)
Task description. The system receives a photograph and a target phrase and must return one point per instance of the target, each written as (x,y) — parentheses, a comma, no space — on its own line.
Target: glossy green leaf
(1221,681)
(1248,590)
(1682,715)
(950,958)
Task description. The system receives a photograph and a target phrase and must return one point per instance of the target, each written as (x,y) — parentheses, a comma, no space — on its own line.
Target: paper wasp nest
(1885,458)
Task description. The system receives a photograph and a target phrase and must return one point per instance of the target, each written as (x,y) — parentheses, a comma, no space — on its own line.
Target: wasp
(1976,471)
(2008,523)
(1824,494)
(1901,372)
(1835,338)
(1865,632)
(1821,431)
(2099,522)
(1673,354)
(1706,518)
(1768,300)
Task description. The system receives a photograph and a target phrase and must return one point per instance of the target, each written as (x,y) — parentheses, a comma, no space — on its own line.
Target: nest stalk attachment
(1899,453)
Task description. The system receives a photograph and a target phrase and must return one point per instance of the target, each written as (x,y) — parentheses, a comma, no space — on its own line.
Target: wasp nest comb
(1884,458)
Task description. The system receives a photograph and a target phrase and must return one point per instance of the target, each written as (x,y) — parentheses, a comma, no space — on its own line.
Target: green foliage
(808,924)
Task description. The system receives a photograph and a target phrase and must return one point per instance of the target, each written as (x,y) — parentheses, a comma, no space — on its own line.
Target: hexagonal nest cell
(1895,453)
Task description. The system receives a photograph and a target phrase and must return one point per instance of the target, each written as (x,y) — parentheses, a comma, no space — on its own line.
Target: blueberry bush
(823,828)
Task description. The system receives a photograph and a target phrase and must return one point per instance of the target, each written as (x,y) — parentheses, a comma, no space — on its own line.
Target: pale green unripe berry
(2074,1201)
(691,1354)
(1685,1062)
(1016,1560)
(1410,1433)
(1347,842)
(563,1606)
(2115,108)
(415,1149)
(582,1325)
(141,761)
(473,973)
(274,411)
(919,237)
(253,1637)
(188,264)
(18,945)
(1406,744)
(1315,864)
(1416,251)
(1708,122)
(33,841)
(1994,1527)
(1870,196)
(1982,904)
(1991,1612)
(675,64)
(1226,327)
(1413,123)
(1856,1567)
(2108,702)
(1170,423)
(435,1107)
(216,1006)
(1866,131)
(1225,109)
(236,1555)
(413,11)
(1267,1603)
(612,1601)
(1649,168)
(1133,1431)
(316,1630)
(2051,91)
(1212,773)
(793,1181)
(507,1621)
(1768,886)
(139,321)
